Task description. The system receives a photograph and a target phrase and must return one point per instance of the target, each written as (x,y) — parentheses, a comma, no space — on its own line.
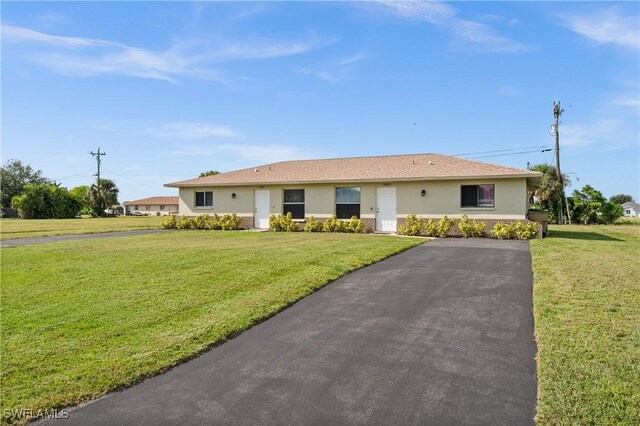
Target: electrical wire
(498,150)
(511,153)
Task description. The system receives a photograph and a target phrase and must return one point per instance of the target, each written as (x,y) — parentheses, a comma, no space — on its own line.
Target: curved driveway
(440,334)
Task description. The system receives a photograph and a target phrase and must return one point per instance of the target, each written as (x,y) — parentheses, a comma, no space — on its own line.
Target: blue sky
(169,90)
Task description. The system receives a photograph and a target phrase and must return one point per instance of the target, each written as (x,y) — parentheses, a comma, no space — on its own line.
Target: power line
(497,150)
(132,180)
(512,153)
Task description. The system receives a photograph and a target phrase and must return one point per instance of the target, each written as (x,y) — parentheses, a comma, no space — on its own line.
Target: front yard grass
(27,228)
(82,318)
(587,324)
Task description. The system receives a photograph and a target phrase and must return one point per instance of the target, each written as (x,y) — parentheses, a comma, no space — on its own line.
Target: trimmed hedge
(226,222)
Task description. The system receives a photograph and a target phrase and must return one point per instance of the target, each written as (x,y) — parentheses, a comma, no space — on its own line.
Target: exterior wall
(442,198)
(153,209)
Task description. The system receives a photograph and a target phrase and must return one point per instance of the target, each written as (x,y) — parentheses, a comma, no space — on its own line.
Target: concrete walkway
(39,240)
(440,334)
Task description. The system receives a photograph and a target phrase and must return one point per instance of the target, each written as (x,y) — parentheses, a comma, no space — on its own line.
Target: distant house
(152,206)
(381,191)
(631,209)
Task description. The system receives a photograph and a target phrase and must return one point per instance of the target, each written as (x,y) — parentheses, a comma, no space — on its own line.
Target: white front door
(386,212)
(261,216)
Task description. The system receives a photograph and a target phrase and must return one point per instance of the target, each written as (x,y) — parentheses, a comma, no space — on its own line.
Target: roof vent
(431,163)
(256,170)
(413,162)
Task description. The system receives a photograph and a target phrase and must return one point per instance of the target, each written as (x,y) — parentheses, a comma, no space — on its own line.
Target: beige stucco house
(381,191)
(152,206)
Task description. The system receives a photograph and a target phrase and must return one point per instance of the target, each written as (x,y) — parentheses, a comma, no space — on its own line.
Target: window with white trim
(204,199)
(348,202)
(293,203)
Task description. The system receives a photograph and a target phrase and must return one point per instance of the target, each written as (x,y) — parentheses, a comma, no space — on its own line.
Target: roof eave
(532,176)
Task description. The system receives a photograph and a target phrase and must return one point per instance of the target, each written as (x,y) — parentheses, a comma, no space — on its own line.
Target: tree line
(586,206)
(37,197)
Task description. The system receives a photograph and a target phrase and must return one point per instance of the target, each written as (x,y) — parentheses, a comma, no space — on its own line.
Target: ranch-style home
(152,206)
(381,190)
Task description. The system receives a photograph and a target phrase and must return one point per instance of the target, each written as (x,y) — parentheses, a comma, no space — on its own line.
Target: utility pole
(98,155)
(557,113)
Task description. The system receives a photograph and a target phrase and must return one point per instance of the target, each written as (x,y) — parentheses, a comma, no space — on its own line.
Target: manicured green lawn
(587,325)
(21,228)
(82,318)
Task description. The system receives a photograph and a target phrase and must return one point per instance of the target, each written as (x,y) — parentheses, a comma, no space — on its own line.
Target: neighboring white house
(631,209)
(381,191)
(152,206)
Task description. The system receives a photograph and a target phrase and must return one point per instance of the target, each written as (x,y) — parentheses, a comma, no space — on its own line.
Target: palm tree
(103,195)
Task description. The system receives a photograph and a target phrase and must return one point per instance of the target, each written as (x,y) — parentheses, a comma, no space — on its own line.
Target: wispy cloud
(78,56)
(607,26)
(510,91)
(600,134)
(466,34)
(190,130)
(335,71)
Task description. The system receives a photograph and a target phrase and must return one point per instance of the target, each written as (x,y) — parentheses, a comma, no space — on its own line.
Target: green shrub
(230,222)
(201,222)
(45,201)
(525,230)
(443,226)
(185,223)
(158,214)
(503,231)
(520,230)
(170,222)
(334,224)
(471,228)
(412,226)
(215,223)
(355,225)
(430,228)
(282,223)
(313,225)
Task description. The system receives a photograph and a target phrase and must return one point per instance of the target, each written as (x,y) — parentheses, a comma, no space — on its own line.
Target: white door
(386,213)
(261,216)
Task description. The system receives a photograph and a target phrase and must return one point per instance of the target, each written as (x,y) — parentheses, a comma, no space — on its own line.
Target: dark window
(135,207)
(147,207)
(477,195)
(162,207)
(294,203)
(204,198)
(348,202)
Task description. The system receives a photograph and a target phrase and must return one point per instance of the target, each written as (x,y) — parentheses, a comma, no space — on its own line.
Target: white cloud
(608,26)
(322,75)
(190,130)
(627,102)
(467,34)
(79,56)
(603,134)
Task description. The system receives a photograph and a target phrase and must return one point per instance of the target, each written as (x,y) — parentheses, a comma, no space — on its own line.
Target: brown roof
(390,167)
(164,201)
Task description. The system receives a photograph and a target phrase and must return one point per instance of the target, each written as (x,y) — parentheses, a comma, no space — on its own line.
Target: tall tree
(14,176)
(590,207)
(549,195)
(620,198)
(81,194)
(103,194)
(209,173)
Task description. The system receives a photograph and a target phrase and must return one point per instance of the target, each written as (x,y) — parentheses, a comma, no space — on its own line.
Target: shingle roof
(164,201)
(391,167)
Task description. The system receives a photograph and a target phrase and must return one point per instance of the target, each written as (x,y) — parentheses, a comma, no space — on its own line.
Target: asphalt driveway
(440,334)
